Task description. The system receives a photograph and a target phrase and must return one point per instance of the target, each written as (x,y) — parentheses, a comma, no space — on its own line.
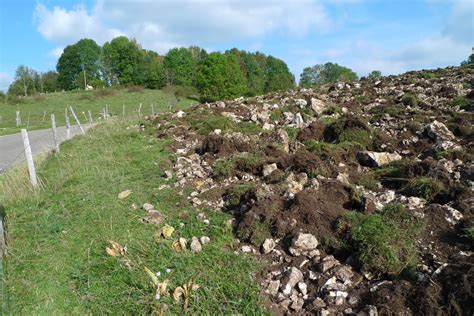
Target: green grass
(57,264)
(384,242)
(82,101)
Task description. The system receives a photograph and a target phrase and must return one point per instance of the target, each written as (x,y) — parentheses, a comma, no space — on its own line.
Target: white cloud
(57,52)
(160,25)
(5,81)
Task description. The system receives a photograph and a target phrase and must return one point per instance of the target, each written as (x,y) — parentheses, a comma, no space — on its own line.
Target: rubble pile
(333,187)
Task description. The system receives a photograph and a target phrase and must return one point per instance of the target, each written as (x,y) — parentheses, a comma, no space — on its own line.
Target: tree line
(123,62)
(213,76)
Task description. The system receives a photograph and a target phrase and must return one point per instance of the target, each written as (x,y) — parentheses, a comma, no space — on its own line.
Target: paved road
(12,150)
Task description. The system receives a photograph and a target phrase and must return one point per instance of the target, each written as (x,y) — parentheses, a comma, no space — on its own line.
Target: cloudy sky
(390,35)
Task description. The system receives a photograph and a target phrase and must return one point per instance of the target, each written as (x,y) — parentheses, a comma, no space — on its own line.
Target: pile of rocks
(299,177)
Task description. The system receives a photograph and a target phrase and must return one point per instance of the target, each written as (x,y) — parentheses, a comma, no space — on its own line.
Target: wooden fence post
(152,110)
(44,117)
(29,158)
(106,112)
(77,120)
(28,120)
(90,118)
(68,128)
(140,111)
(123,111)
(55,135)
(18,119)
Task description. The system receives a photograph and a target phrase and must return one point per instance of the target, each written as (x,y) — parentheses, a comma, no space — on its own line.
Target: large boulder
(438,132)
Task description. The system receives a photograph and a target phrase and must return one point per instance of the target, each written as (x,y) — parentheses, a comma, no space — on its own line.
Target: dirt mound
(314,131)
(341,236)
(449,293)
(223,147)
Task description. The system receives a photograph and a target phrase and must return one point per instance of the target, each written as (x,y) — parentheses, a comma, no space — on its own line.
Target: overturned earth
(357,196)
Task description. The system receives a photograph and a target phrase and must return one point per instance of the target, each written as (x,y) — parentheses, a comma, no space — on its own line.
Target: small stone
(297,304)
(268,245)
(168,174)
(317,106)
(301,103)
(371,310)
(124,194)
(303,288)
(153,217)
(268,169)
(246,249)
(195,245)
(290,279)
(268,127)
(205,240)
(298,120)
(303,242)
(343,273)
(328,263)
(148,207)
(376,159)
(273,287)
(437,131)
(319,303)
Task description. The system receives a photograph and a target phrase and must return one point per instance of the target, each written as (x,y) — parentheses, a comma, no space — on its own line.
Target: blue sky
(393,36)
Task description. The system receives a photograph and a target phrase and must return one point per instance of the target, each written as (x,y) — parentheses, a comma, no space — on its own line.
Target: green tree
(278,76)
(24,81)
(326,73)
(50,81)
(180,67)
(79,59)
(219,77)
(375,74)
(150,70)
(121,60)
(469,61)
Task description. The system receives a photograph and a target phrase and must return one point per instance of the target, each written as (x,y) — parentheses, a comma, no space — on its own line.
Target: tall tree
(219,77)
(79,63)
(121,58)
(50,81)
(278,76)
(326,73)
(25,78)
(375,74)
(180,67)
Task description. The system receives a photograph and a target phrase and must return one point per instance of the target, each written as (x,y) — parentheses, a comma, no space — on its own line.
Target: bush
(384,242)
(135,89)
(208,124)
(409,99)
(181,91)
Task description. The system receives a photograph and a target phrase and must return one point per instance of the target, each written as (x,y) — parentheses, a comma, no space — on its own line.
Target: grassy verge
(35,107)
(57,262)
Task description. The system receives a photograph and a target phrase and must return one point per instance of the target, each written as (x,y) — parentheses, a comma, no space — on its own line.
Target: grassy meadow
(57,262)
(36,110)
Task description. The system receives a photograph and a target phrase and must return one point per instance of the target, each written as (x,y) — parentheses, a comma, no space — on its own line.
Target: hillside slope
(359,197)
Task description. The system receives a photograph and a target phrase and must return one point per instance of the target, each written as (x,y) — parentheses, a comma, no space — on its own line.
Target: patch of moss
(291,131)
(234,195)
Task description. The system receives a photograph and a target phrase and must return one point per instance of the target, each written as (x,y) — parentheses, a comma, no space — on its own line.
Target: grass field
(57,262)
(40,107)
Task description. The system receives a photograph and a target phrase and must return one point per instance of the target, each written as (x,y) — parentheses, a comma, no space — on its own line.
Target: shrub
(135,89)
(384,242)
(409,99)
